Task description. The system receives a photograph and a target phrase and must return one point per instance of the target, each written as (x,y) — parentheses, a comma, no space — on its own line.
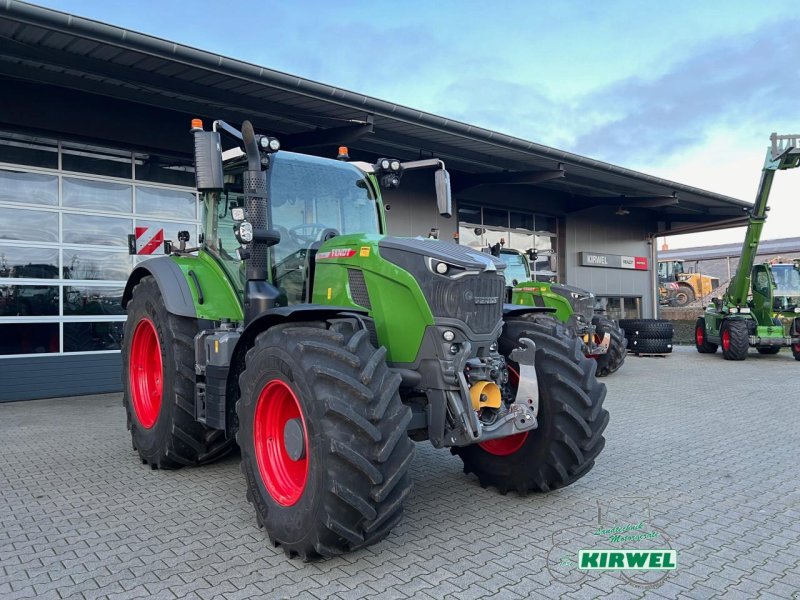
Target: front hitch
(521,414)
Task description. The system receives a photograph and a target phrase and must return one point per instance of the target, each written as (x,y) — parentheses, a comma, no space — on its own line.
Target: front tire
(683,296)
(564,446)
(701,342)
(325,450)
(735,339)
(612,360)
(158,385)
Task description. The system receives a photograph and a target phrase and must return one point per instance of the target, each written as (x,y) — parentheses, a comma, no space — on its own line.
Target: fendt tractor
(602,338)
(298,329)
(761,307)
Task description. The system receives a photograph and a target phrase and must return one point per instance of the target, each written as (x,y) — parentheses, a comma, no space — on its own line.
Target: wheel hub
(294,439)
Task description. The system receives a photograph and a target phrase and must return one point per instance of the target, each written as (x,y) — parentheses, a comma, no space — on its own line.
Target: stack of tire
(648,336)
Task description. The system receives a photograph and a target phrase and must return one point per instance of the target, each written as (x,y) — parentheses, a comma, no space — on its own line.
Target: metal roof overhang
(55,48)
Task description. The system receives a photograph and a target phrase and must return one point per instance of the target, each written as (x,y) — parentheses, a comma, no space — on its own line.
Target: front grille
(475,299)
(358,288)
(584,307)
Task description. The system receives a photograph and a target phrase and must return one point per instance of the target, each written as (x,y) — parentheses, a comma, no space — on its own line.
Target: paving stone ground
(703,451)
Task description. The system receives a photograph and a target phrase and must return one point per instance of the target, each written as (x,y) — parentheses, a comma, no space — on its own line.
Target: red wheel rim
(700,335)
(726,339)
(509,444)
(145,373)
(284,478)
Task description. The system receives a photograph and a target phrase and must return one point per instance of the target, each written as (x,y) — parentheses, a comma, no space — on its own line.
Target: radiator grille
(476,299)
(358,288)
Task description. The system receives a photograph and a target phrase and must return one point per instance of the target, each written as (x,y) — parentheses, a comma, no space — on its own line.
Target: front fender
(171,281)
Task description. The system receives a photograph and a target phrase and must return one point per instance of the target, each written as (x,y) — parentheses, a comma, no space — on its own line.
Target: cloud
(744,81)
(728,82)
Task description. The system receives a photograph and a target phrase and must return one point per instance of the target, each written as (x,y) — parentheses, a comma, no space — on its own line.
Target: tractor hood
(454,255)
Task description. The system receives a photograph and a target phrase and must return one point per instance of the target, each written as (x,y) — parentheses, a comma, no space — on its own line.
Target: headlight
(733,311)
(744,310)
(385,164)
(797,309)
(395,166)
(274,144)
(441,268)
(237,214)
(244,232)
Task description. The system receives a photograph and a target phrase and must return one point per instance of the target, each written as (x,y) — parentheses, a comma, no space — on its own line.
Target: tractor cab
(312,200)
(786,290)
(670,270)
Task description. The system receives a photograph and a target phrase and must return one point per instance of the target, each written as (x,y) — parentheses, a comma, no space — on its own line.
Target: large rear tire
(683,296)
(325,450)
(564,446)
(158,385)
(735,339)
(612,360)
(701,338)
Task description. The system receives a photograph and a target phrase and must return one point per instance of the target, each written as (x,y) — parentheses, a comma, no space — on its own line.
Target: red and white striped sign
(149,240)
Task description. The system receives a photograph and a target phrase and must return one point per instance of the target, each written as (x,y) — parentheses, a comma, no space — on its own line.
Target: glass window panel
(91,300)
(493,217)
(545,243)
(34,263)
(520,241)
(85,337)
(89,229)
(28,338)
(548,224)
(25,150)
(29,188)
(84,264)
(163,169)
(521,220)
(469,235)
(469,214)
(28,225)
(28,300)
(171,230)
(493,237)
(171,204)
(631,306)
(97,195)
(98,161)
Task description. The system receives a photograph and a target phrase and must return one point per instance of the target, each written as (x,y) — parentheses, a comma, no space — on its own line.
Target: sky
(688,91)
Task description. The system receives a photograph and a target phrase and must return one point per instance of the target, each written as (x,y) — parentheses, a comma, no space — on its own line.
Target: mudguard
(171,281)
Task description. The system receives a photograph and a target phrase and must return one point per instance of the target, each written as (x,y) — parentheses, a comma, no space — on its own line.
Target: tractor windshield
(312,198)
(516,268)
(787,280)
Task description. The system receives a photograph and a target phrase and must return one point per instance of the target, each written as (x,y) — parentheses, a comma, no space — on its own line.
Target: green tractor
(601,337)
(324,347)
(761,307)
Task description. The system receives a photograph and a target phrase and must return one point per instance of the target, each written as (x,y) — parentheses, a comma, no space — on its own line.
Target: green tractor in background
(761,307)
(602,338)
(323,347)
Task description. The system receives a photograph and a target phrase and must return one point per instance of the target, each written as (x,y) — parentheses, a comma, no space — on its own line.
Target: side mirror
(207,160)
(444,198)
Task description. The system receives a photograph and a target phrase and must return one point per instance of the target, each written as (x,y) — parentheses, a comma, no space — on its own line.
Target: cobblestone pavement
(703,451)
